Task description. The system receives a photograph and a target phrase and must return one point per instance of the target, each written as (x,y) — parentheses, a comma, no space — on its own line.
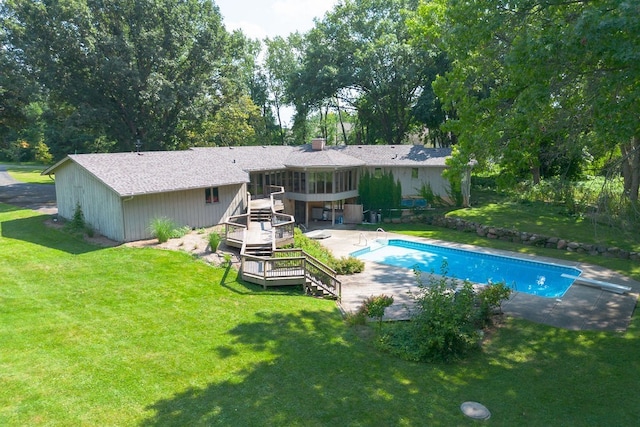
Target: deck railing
(277,197)
(318,273)
(273,271)
(285,266)
(282,226)
(234,229)
(290,267)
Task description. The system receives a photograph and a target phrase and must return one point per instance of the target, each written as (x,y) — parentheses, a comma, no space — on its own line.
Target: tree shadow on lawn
(231,281)
(32,229)
(319,373)
(308,377)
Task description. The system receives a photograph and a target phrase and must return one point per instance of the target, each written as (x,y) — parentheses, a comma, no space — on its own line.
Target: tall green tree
(281,58)
(255,78)
(17,91)
(360,53)
(535,84)
(127,70)
(238,122)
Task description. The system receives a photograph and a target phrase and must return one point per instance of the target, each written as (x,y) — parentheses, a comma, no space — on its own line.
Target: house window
(351,181)
(328,182)
(211,195)
(414,173)
(312,182)
(298,183)
(255,186)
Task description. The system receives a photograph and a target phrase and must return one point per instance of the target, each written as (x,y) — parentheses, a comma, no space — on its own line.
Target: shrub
(226,260)
(345,265)
(77,225)
(375,306)
(490,298)
(426,192)
(444,324)
(446,320)
(313,248)
(42,153)
(348,265)
(214,241)
(162,228)
(77,222)
(177,233)
(358,318)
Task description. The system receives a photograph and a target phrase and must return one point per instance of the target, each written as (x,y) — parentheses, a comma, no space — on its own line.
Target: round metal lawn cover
(475,410)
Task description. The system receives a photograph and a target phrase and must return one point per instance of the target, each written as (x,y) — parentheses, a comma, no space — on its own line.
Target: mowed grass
(123,336)
(30,174)
(549,220)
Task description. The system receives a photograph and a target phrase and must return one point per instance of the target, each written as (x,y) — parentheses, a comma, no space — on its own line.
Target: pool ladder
(366,242)
(384,235)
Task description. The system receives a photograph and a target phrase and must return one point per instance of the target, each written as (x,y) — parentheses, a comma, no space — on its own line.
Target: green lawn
(546,220)
(549,220)
(28,173)
(122,336)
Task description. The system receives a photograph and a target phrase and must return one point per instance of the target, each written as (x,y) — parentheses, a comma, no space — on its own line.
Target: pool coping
(486,255)
(581,308)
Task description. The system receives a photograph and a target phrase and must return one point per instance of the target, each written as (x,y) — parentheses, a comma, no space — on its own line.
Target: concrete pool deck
(581,308)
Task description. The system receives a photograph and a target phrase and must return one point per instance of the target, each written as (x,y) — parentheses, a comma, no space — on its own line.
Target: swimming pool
(531,277)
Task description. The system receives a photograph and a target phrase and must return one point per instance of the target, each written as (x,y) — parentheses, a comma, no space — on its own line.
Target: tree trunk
(631,167)
(535,172)
(280,129)
(325,122)
(344,132)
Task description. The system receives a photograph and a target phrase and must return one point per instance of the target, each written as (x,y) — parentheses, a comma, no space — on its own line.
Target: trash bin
(372,217)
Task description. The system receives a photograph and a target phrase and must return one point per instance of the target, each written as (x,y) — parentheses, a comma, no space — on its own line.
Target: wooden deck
(259,233)
(258,204)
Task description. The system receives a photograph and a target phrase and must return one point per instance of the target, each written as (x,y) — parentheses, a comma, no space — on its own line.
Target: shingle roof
(272,157)
(163,171)
(397,155)
(159,171)
(305,156)
(251,158)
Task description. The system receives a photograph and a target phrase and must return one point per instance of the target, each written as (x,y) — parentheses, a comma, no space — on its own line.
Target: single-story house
(120,193)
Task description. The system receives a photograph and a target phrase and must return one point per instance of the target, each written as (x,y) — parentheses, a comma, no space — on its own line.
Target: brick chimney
(317,144)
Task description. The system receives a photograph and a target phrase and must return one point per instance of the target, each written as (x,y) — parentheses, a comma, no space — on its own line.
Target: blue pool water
(531,277)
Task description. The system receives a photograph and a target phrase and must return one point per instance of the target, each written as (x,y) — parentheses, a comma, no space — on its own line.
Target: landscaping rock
(525,238)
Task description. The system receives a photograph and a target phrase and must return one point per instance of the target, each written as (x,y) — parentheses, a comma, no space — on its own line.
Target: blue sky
(270,18)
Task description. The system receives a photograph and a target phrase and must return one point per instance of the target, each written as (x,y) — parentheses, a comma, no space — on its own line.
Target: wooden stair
(260,215)
(319,290)
(258,249)
(260,234)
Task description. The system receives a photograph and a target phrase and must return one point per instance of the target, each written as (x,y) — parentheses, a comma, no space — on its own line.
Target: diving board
(605,286)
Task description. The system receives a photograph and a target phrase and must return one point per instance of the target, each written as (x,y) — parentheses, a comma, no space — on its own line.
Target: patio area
(581,308)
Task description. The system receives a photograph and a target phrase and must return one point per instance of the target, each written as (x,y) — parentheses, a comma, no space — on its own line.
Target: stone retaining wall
(530,238)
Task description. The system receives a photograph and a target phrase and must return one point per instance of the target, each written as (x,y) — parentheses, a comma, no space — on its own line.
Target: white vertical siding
(185,208)
(426,175)
(100,205)
(128,218)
